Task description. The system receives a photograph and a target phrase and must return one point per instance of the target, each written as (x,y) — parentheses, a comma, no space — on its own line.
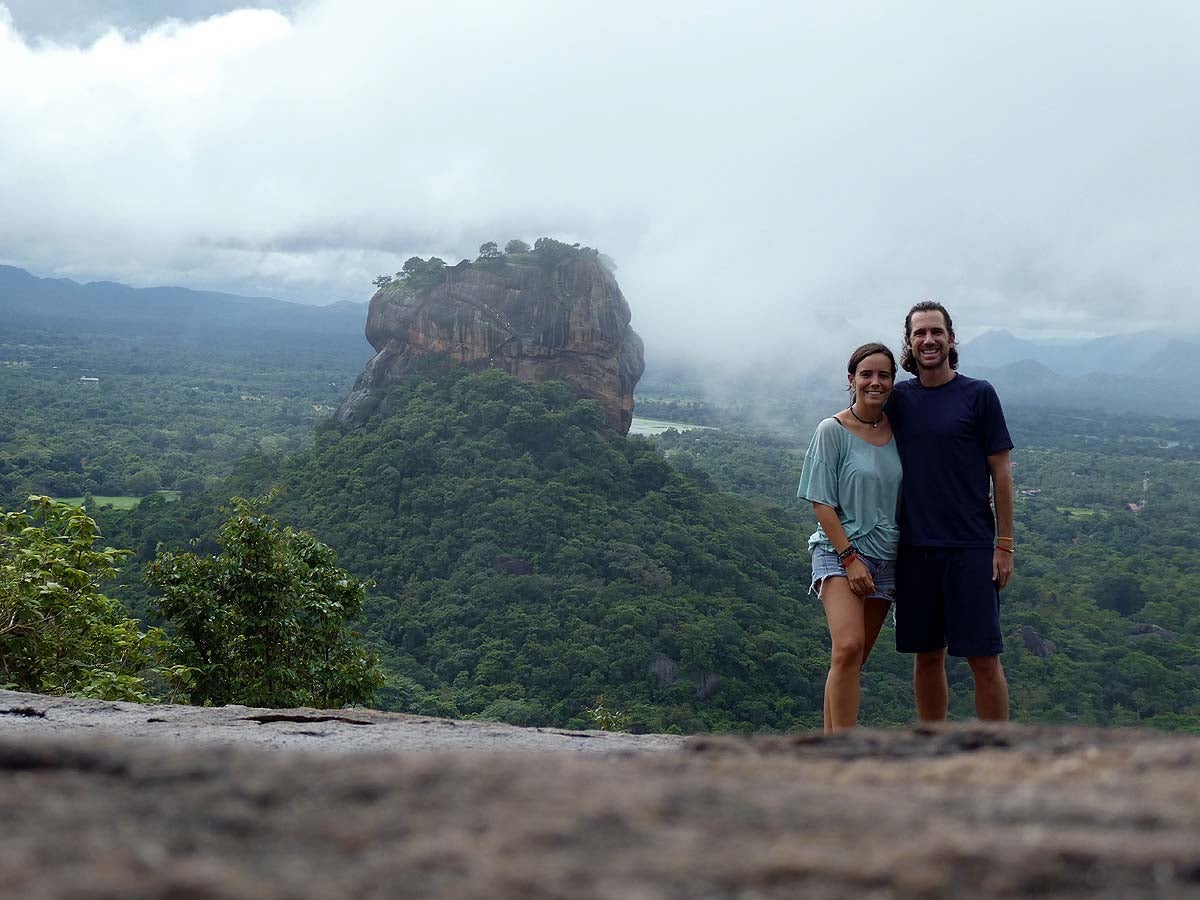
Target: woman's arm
(856,570)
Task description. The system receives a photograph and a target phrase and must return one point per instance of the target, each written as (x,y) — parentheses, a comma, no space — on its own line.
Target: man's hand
(1002,567)
(860,578)
(1000,467)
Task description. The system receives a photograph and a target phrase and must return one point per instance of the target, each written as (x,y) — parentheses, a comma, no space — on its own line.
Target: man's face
(930,339)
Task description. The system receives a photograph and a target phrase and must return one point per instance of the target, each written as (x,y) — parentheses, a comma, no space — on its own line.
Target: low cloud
(754,171)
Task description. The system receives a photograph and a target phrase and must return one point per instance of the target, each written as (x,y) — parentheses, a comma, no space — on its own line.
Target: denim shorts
(883,573)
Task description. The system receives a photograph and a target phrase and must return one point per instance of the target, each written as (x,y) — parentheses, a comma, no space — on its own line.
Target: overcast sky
(757,170)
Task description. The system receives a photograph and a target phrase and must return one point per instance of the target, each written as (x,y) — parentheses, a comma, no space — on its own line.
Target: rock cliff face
(103,800)
(569,324)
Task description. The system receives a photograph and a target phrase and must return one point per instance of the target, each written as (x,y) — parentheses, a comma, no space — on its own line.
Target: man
(956,554)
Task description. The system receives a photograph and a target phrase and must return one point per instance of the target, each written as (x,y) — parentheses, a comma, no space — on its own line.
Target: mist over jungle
(527,563)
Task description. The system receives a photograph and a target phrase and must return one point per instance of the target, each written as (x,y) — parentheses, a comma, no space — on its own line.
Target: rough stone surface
(1140,631)
(99,801)
(1036,644)
(331,730)
(570,324)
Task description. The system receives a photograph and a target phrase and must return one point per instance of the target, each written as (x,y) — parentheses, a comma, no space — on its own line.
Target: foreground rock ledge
(321,730)
(960,811)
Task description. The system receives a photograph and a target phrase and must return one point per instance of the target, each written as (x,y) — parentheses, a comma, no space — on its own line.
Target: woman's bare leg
(874,614)
(847,629)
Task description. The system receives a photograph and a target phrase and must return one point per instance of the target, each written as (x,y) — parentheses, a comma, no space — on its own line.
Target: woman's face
(872,380)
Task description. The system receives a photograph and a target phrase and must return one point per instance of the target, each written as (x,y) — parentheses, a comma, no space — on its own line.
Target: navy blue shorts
(945,597)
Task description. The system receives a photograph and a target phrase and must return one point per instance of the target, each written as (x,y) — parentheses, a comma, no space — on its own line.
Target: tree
(143,481)
(267,621)
(489,251)
(551,252)
(189,483)
(58,633)
(419,274)
(1121,593)
(516,246)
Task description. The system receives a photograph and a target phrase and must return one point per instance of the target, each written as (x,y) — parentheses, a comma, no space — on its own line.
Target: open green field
(124,502)
(1077,512)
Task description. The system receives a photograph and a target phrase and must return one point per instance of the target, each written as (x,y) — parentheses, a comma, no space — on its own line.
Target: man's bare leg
(991,688)
(930,686)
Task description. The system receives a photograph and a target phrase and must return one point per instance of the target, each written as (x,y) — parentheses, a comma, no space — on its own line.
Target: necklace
(874,424)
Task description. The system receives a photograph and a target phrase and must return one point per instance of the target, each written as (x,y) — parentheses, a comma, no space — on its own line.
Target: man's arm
(1000,467)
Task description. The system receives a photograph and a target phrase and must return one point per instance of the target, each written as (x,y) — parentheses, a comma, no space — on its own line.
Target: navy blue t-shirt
(945,435)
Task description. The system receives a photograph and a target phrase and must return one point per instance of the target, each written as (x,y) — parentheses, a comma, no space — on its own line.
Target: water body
(658,426)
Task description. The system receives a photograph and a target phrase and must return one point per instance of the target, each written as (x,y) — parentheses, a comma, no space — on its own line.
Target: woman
(852,477)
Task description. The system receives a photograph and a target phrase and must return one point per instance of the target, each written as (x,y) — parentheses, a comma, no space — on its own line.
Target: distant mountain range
(175,315)
(1114,374)
(1118,373)
(1140,354)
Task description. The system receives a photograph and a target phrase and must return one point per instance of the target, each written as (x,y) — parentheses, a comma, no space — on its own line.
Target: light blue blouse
(860,481)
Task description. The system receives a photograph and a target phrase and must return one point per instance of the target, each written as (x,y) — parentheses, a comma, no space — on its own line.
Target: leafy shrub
(59,634)
(266,622)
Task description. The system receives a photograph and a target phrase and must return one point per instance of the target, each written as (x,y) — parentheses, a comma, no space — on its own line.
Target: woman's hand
(860,578)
